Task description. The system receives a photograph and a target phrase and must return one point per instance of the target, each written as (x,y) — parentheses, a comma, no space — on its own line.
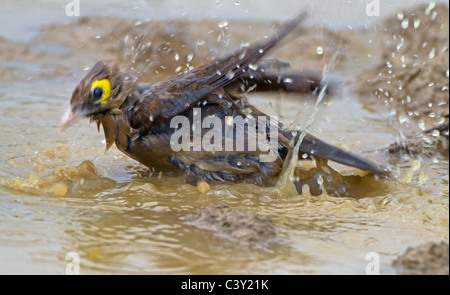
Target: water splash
(285,184)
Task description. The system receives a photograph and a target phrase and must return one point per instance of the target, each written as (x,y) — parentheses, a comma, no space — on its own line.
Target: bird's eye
(97,93)
(100,90)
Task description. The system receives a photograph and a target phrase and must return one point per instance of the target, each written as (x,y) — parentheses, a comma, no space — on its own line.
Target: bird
(137,116)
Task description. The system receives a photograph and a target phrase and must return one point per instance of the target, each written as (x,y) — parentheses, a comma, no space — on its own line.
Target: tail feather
(316,147)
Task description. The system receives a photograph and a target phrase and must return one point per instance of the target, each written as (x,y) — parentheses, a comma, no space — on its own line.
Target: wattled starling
(142,119)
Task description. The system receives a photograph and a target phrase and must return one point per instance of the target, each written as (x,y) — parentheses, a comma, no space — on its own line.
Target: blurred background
(21,19)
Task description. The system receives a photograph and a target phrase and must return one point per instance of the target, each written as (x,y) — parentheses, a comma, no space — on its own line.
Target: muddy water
(61,193)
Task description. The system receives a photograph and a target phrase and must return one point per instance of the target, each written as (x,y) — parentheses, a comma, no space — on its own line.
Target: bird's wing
(177,94)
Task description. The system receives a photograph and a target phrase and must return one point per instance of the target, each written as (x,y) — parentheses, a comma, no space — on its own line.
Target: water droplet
(230,75)
(429,8)
(433,15)
(405,23)
(400,15)
(422,124)
(319,50)
(242,55)
(427,139)
(432,53)
(288,80)
(223,24)
(253,67)
(237,3)
(189,57)
(320,180)
(432,5)
(436,133)
(178,69)
(416,23)
(402,119)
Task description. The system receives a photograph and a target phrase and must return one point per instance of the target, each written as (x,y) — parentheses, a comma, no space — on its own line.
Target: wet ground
(426,259)
(61,193)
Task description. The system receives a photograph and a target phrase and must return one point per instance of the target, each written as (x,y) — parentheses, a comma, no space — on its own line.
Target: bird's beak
(68,119)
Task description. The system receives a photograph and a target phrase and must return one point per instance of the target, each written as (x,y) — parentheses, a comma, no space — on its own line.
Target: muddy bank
(233,225)
(427,259)
(156,49)
(411,80)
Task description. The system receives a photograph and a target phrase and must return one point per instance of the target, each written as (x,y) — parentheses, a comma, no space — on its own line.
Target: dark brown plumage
(136,116)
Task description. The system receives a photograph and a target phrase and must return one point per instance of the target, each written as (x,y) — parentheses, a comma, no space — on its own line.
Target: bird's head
(102,91)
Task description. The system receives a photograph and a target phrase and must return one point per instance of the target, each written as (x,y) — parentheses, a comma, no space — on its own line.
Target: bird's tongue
(68,119)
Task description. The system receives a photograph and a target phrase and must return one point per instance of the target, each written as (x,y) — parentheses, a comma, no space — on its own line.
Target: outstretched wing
(177,94)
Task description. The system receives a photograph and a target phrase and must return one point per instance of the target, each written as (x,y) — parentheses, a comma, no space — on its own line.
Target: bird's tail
(316,147)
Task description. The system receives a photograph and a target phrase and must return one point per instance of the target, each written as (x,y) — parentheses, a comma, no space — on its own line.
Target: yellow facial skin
(105,87)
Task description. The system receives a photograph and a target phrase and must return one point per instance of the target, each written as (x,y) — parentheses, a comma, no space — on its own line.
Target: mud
(418,145)
(233,225)
(157,49)
(412,78)
(427,259)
